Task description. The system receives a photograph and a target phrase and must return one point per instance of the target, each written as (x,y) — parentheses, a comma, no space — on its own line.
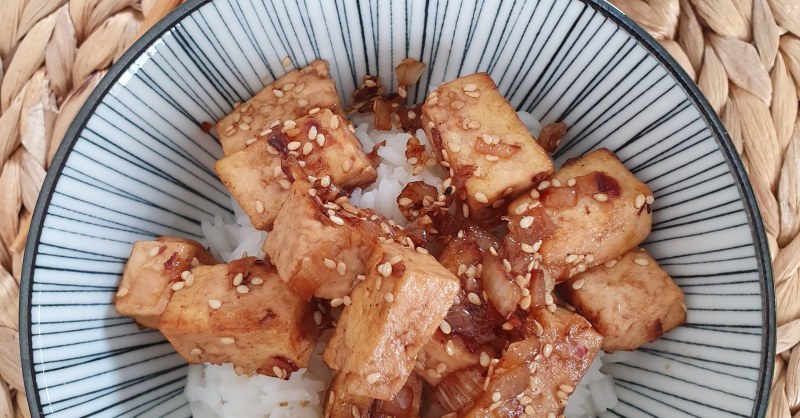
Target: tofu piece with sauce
(536,375)
(591,211)
(321,248)
(630,301)
(406,404)
(392,315)
(478,134)
(241,313)
(323,143)
(152,269)
(287,98)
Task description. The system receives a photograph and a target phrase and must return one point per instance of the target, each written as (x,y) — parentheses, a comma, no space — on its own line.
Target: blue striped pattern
(139,166)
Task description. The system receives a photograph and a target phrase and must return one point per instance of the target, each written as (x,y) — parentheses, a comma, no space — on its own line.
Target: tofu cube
(152,269)
(241,313)
(393,314)
(630,301)
(591,211)
(341,404)
(550,364)
(321,248)
(322,143)
(286,98)
(478,134)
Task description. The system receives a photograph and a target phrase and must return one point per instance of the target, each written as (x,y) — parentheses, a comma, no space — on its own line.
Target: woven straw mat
(744,55)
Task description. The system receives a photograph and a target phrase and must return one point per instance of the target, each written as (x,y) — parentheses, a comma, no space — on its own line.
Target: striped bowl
(136,164)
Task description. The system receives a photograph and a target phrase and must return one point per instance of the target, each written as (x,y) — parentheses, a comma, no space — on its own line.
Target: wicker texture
(744,55)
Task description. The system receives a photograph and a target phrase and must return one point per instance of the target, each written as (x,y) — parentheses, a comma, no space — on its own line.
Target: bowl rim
(761,399)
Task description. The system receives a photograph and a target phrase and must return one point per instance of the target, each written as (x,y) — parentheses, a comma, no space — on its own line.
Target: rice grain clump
(218,392)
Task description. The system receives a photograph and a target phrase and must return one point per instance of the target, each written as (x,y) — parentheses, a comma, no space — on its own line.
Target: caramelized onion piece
(551,135)
(409,71)
(458,390)
(501,149)
(415,197)
(499,285)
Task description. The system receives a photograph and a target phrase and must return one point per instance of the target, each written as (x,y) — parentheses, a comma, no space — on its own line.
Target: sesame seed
(247,119)
(122,292)
(370,83)
(526,222)
(196,352)
(639,201)
(570,258)
(404,201)
(641,261)
(422,250)
(294,145)
(508,326)
(335,122)
(244,126)
(242,289)
(341,268)
(578,284)
(506,265)
(445,327)
(346,300)
(373,377)
(432,101)
(480,197)
(329,263)
(250,142)
(259,206)
(337,220)
(543,185)
(300,87)
(493,251)
(396,259)
(325,181)
(227,340)
(474,94)
(473,298)
(277,371)
(154,251)
(336,302)
(257,280)
(610,263)
(534,194)
(312,132)
(551,415)
(277,93)
(237,116)
(361,277)
(313,111)
(195,262)
(238,279)
(520,209)
(355,412)
(484,359)
(320,140)
(600,197)
(388,297)
(453,147)
(185,274)
(378,282)
(556,183)
(385,269)
(527,248)
(178,286)
(525,303)
(548,350)
(286,61)
(470,87)
(548,298)
(318,317)
(214,303)
(302,102)
(308,147)
(474,124)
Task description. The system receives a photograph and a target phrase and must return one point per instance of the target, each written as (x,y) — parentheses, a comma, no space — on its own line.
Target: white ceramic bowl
(137,164)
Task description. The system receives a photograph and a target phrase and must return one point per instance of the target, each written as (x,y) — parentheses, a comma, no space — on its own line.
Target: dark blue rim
(726,146)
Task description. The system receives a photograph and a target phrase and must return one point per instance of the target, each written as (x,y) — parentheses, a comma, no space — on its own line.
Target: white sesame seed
(335,122)
(277,93)
(329,263)
(244,126)
(469,87)
(337,302)
(496,396)
(154,251)
(178,285)
(445,327)
(341,268)
(649,200)
(526,301)
(506,265)
(600,197)
(346,300)
(396,259)
(308,147)
(640,201)
(373,377)
(543,185)
(355,412)
(480,197)
(556,183)
(370,82)
(227,340)
(361,277)
(641,261)
(278,372)
(578,284)
(571,258)
(526,222)
(453,147)
(287,62)
(196,352)
(527,248)
(547,350)
(474,94)
(318,317)
(388,297)
(238,279)
(422,250)
(312,132)
(259,206)
(611,263)
(337,220)
(214,303)
(242,289)
(508,326)
(404,201)
(285,184)
(293,146)
(302,102)
(313,111)
(484,359)
(257,281)
(474,298)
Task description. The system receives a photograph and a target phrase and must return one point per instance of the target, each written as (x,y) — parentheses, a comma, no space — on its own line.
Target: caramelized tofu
(478,134)
(591,211)
(322,143)
(536,375)
(630,301)
(320,248)
(152,269)
(340,404)
(286,98)
(393,314)
(443,355)
(241,313)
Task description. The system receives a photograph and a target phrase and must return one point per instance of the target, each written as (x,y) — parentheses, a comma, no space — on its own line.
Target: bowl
(136,163)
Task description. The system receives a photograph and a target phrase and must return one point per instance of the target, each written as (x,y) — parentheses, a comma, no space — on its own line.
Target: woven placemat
(744,55)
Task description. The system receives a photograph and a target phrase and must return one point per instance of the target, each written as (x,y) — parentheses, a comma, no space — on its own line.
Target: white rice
(217,392)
